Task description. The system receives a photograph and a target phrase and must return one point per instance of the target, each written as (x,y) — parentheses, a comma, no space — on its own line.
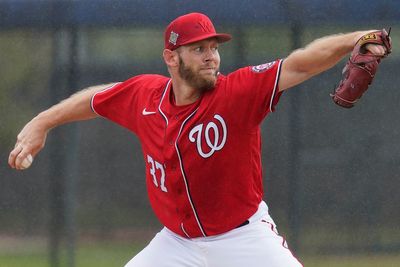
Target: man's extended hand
(30,141)
(360,69)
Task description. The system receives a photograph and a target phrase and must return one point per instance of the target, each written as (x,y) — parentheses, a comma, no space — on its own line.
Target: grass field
(116,255)
(95,255)
(352,261)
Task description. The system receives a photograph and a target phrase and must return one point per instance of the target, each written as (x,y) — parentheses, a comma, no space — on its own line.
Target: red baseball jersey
(203,160)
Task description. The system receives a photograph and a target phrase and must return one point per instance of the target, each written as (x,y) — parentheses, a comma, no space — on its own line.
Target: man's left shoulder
(264,67)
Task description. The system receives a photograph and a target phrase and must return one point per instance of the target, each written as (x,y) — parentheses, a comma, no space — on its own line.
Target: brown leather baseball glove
(360,69)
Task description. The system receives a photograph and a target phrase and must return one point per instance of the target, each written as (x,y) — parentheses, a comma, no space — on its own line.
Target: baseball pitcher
(201,141)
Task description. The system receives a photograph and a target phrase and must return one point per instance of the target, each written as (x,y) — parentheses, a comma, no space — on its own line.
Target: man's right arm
(32,137)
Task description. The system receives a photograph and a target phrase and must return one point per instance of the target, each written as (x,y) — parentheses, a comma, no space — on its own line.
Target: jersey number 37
(155,165)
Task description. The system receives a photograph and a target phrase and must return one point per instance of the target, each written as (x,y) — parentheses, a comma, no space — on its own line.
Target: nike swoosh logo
(145,113)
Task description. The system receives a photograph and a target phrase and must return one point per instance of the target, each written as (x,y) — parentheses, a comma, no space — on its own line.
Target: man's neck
(183,93)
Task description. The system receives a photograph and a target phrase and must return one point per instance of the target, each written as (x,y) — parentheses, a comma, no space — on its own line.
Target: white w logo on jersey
(214,145)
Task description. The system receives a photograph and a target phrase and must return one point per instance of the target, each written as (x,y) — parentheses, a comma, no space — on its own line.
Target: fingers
(18,155)
(378,50)
(30,141)
(20,158)
(13,155)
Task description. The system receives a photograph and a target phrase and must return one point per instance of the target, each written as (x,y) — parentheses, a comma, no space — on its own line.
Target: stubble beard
(196,80)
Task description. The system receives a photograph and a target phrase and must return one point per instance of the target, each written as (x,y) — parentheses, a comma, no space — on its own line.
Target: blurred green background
(331,175)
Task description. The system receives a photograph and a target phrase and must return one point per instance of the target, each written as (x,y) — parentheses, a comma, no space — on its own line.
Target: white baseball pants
(256,244)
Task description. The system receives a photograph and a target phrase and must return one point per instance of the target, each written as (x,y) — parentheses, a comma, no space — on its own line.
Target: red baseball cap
(191,28)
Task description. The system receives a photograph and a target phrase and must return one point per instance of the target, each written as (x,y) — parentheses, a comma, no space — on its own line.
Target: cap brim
(221,38)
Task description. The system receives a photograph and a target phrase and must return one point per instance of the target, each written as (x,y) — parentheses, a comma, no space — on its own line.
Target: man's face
(199,64)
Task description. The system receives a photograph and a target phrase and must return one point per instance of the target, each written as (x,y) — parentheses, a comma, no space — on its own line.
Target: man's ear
(171,58)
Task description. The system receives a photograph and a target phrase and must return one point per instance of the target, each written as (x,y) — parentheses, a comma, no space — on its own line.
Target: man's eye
(198,49)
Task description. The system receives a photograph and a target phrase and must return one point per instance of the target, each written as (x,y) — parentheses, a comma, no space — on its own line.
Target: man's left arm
(320,55)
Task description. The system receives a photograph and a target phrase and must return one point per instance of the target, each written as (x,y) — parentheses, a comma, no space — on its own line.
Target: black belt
(246,222)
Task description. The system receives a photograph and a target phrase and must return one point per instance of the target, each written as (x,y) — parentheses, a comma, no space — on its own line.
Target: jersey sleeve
(253,91)
(118,103)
